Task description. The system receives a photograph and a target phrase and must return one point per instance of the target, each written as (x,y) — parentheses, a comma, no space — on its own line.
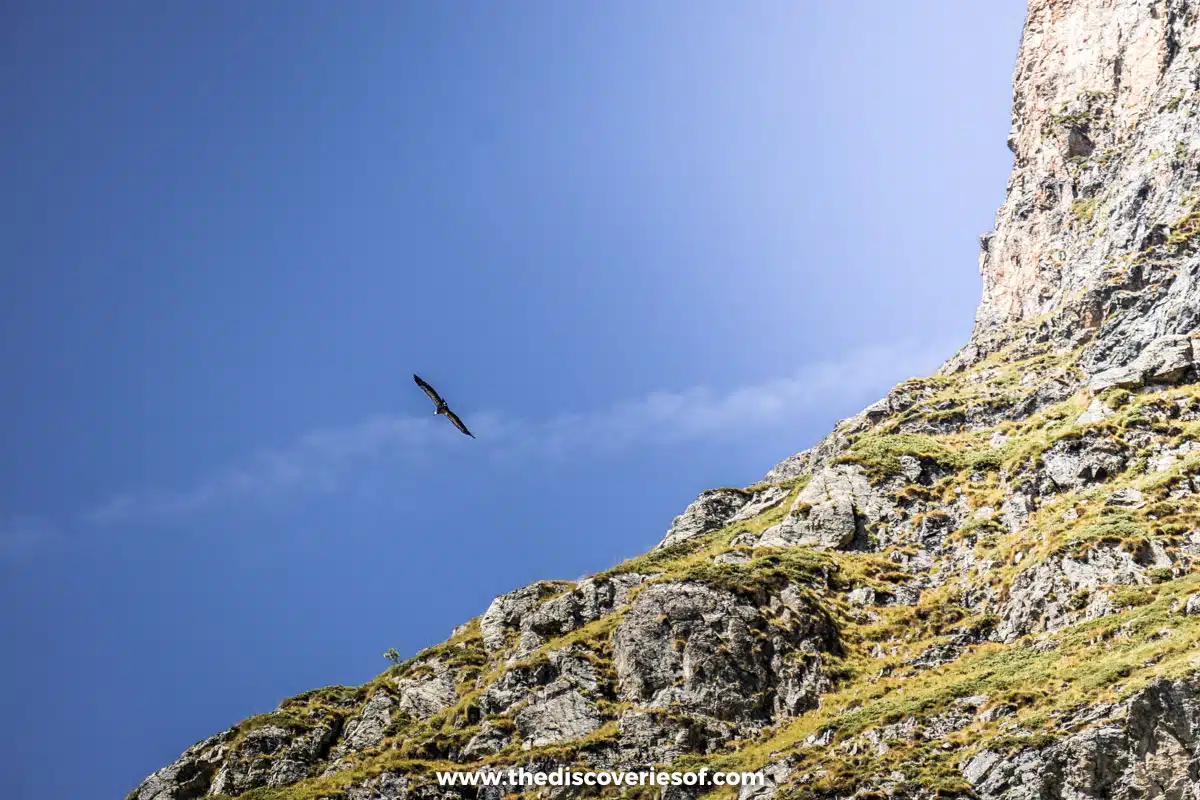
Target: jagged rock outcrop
(709,652)
(834,511)
(1095,239)
(1147,746)
(711,511)
(982,585)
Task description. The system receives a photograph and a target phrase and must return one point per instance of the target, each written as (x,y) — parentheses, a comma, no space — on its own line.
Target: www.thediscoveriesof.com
(566,777)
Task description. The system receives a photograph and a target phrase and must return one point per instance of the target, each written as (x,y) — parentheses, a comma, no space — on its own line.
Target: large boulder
(708,651)
(832,512)
(506,611)
(1080,461)
(366,729)
(428,692)
(1167,359)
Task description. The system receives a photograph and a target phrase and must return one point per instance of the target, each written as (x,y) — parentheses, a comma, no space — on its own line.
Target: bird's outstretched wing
(429,390)
(458,423)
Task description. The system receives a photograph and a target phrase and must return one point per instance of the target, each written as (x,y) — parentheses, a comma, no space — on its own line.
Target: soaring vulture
(442,408)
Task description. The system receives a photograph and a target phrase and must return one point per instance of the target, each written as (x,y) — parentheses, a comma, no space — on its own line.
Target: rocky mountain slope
(981,585)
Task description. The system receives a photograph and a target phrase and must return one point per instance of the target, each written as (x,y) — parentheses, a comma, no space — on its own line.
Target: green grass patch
(879,454)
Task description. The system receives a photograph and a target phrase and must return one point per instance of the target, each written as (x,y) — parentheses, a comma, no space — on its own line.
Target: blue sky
(643,248)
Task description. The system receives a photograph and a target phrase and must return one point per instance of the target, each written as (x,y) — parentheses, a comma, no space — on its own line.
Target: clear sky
(643,248)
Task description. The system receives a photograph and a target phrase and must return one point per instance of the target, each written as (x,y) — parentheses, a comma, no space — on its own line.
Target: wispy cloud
(319,461)
(329,460)
(22,536)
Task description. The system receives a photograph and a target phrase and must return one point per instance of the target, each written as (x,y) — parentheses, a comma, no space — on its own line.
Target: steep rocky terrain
(981,585)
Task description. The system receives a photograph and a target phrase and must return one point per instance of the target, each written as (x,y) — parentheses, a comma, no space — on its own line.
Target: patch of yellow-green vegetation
(1084,209)
(1080,119)
(1185,229)
(1112,526)
(463,653)
(1051,532)
(879,454)
(985,530)
(770,569)
(305,711)
(1105,660)
(1115,397)
(990,386)
(1162,484)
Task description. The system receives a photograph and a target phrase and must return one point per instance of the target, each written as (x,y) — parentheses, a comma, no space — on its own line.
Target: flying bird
(442,408)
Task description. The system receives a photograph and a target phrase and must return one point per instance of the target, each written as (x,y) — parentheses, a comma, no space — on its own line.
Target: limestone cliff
(981,585)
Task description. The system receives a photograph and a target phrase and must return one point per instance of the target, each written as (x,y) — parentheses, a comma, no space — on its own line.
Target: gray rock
(574,666)
(367,728)
(253,764)
(790,468)
(555,713)
(506,611)
(488,741)
(1126,377)
(590,600)
(515,685)
(1127,497)
(760,501)
(1167,359)
(862,596)
(422,697)
(710,511)
(1147,747)
(694,647)
(1192,606)
(191,775)
(977,768)
(1041,596)
(1074,462)
(906,595)
(1096,411)
(776,775)
(832,512)
(302,755)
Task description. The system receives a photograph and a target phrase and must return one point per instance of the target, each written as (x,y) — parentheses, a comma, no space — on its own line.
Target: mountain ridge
(982,585)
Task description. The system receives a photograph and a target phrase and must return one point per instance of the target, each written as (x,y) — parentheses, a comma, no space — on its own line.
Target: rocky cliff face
(981,585)
(1101,201)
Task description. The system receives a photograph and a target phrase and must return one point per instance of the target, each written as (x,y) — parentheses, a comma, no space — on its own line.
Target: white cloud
(317,462)
(328,460)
